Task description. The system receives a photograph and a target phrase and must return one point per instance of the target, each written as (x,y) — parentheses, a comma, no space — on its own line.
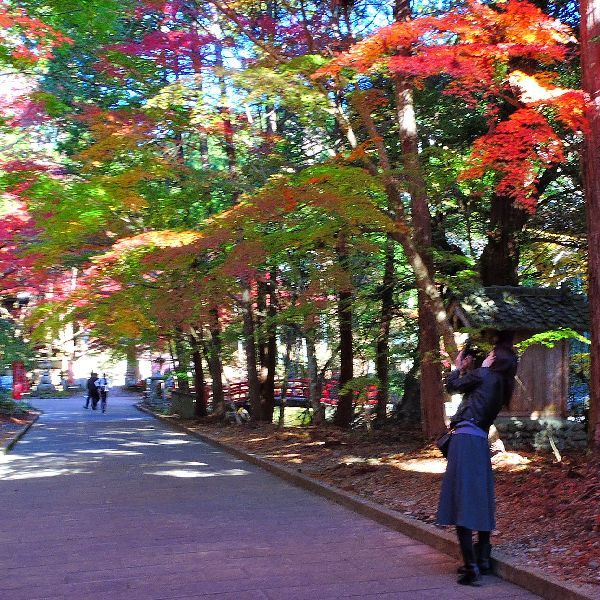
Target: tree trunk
(260,319)
(590,53)
(132,371)
(315,385)
(200,408)
(215,365)
(344,412)
(499,260)
(431,388)
(409,410)
(250,348)
(183,361)
(382,351)
(260,327)
(289,343)
(267,348)
(268,385)
(225,113)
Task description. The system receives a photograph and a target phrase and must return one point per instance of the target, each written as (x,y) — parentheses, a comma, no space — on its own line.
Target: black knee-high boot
(483,550)
(471,575)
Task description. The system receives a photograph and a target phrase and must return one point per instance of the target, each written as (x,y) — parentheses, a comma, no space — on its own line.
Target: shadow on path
(117,506)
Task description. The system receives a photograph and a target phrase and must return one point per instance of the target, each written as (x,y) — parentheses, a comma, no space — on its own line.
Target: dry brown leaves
(10,425)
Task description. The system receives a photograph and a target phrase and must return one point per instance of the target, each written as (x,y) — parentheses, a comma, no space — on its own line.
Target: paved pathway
(118,506)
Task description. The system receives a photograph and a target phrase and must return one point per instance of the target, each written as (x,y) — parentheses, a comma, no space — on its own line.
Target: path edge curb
(505,567)
(12,442)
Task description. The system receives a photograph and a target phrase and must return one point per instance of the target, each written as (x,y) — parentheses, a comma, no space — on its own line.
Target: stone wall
(534,434)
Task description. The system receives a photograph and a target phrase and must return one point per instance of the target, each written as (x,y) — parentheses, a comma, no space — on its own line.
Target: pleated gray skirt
(467,497)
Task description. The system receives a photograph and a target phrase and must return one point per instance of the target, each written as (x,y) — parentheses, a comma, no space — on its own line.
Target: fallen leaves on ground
(548,512)
(11,424)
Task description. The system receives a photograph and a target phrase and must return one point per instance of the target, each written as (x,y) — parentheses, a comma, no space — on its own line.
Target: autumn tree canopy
(289,175)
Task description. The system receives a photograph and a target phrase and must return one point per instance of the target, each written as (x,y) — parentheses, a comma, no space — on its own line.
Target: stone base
(161,406)
(519,433)
(183,404)
(45,388)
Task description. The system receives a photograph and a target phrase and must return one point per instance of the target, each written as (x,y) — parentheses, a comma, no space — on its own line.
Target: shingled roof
(521,308)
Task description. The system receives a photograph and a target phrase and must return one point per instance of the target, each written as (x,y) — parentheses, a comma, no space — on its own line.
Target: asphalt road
(117,506)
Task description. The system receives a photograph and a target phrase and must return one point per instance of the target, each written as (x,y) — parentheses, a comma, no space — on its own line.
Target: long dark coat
(467,496)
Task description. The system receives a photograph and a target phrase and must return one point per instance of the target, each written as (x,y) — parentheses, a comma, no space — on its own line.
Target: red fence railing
(297,392)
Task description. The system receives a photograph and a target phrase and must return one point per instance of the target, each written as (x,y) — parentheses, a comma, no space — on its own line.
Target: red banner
(20,383)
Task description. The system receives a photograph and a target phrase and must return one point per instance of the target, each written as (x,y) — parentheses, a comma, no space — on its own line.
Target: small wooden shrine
(542,385)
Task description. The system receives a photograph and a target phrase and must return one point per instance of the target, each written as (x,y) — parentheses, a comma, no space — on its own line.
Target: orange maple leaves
(478,47)
(28,38)
(468,43)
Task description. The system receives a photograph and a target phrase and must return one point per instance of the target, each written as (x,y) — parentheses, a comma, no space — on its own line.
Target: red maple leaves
(27,38)
(479,47)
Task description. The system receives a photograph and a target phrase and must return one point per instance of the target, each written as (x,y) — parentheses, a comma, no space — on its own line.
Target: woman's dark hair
(504,339)
(505,363)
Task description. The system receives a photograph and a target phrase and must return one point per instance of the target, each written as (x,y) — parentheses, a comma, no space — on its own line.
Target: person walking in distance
(467,497)
(102,386)
(92,391)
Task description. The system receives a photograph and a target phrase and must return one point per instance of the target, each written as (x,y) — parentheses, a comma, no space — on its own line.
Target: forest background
(189,175)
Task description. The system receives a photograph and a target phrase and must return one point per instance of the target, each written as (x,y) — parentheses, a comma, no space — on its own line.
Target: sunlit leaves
(476,47)
(470,43)
(517,148)
(25,40)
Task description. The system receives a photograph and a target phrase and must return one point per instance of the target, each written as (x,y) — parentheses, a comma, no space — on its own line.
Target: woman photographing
(467,498)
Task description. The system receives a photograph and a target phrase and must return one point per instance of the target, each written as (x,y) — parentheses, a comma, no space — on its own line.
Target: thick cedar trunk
(269,353)
(590,53)
(250,349)
(200,407)
(260,318)
(268,392)
(343,414)
(431,388)
(268,388)
(499,261)
(382,351)
(315,385)
(215,364)
(268,350)
(404,234)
